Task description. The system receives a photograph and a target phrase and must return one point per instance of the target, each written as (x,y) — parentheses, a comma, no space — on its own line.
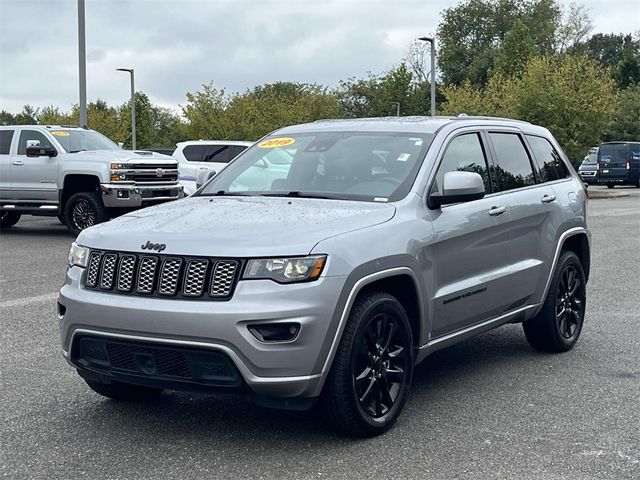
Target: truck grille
(162,275)
(151,172)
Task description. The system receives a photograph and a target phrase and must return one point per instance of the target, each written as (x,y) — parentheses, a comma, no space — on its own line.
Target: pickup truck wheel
(8,219)
(123,391)
(61,219)
(371,374)
(84,210)
(609,185)
(558,325)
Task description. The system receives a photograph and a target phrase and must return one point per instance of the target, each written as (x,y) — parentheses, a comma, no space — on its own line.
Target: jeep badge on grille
(153,246)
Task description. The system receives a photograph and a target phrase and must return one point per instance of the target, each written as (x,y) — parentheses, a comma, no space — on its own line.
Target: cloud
(176,46)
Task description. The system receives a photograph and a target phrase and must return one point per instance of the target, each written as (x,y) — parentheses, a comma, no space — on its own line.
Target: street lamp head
(130,70)
(426,39)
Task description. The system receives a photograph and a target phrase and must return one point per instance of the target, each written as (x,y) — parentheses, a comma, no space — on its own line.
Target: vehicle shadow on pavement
(38,230)
(201,418)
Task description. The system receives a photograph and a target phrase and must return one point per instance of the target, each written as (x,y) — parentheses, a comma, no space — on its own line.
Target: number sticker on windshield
(277,142)
(59,133)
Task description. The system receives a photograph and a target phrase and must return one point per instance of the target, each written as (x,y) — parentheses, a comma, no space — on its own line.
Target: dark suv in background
(618,163)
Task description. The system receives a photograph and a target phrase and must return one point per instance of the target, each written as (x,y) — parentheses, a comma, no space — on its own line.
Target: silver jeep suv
(330,258)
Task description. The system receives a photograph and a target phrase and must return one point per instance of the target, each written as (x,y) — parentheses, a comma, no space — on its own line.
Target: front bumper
(282,369)
(132,196)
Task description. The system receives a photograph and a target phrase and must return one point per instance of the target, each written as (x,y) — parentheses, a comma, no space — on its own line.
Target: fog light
(275,332)
(123,194)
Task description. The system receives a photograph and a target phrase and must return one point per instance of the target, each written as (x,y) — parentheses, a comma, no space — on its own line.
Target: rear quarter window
(547,160)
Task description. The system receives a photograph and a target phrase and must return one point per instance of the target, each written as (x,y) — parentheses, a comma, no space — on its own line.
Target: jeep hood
(125,156)
(236,226)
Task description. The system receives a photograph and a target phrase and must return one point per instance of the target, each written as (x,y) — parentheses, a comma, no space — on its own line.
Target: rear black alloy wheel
(569,302)
(558,325)
(8,219)
(371,374)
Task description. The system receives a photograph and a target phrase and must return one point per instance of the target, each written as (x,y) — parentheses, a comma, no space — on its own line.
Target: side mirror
(204,176)
(35,150)
(458,187)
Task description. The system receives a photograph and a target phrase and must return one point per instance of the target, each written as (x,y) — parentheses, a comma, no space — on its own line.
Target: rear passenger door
(526,184)
(471,251)
(6,136)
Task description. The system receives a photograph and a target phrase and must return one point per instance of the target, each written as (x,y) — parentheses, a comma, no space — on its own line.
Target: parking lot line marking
(20,302)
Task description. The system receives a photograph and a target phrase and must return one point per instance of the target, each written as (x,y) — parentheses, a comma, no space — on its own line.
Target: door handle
(18,162)
(548,198)
(495,211)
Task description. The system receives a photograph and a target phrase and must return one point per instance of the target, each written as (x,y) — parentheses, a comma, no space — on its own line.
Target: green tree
(204,112)
(626,119)
(516,50)
(571,96)
(256,112)
(471,34)
(374,96)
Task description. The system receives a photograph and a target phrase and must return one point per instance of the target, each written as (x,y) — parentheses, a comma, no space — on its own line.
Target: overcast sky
(177,45)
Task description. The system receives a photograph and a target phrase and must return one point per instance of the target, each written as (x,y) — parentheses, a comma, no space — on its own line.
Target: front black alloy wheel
(372,370)
(381,359)
(84,210)
(558,325)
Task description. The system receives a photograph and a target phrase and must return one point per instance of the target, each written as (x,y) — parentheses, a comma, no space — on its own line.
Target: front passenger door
(471,249)
(34,178)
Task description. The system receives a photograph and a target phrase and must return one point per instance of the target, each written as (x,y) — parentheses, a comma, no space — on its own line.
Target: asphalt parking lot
(488,408)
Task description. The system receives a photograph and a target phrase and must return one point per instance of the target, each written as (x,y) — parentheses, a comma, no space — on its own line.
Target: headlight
(118,166)
(78,255)
(286,270)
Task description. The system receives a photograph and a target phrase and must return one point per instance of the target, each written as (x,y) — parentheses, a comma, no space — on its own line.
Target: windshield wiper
(76,151)
(224,193)
(299,194)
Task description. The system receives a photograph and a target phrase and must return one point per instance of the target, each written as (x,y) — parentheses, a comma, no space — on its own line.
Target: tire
(9,219)
(371,374)
(558,325)
(84,210)
(123,391)
(61,219)
(610,185)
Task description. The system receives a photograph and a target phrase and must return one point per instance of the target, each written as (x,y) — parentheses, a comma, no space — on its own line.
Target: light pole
(82,66)
(432,41)
(133,107)
(397,104)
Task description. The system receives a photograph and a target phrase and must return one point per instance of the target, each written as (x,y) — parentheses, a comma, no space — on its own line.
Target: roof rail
(464,116)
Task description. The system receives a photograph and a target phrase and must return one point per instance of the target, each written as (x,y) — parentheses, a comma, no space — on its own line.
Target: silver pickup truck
(78,175)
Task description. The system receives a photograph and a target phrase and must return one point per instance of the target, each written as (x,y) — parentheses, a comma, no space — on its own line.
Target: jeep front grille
(162,275)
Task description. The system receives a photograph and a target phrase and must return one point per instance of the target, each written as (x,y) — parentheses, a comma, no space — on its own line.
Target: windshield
(74,140)
(369,166)
(589,159)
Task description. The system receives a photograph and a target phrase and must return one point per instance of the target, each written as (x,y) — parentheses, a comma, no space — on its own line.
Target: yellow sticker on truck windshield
(277,142)
(60,133)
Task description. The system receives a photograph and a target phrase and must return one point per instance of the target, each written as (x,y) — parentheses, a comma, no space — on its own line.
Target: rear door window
(548,162)
(513,166)
(218,154)
(5,141)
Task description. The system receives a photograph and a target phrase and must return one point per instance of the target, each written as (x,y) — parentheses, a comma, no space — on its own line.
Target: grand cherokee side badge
(153,246)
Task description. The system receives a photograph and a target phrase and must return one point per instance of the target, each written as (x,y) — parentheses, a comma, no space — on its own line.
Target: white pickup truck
(78,175)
